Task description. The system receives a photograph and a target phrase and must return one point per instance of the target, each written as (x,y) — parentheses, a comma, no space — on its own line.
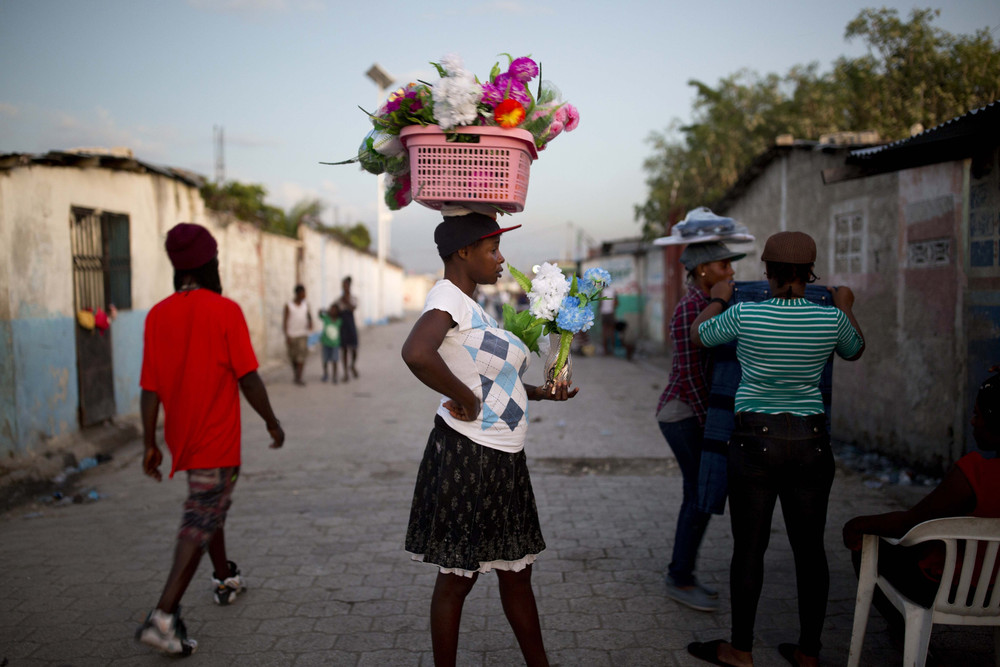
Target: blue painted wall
(126,359)
(46,389)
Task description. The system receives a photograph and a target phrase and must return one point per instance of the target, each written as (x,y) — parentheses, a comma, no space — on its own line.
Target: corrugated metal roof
(102,160)
(982,120)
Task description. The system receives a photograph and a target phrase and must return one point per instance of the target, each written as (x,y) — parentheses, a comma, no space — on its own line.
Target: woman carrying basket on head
(780,447)
(473,507)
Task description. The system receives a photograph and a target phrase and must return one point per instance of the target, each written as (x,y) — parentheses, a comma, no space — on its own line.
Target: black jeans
(787,458)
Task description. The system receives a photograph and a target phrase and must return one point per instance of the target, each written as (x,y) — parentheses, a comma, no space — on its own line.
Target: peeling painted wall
(982,262)
(907,395)
(39,395)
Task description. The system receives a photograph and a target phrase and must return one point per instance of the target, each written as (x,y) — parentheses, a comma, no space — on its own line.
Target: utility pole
(220,158)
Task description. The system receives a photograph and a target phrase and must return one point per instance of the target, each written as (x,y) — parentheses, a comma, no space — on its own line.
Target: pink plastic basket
(493,170)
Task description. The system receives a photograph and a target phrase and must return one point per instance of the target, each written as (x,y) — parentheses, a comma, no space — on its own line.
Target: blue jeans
(684,438)
(788,459)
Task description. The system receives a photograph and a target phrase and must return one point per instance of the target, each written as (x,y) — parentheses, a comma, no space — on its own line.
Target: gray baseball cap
(703,253)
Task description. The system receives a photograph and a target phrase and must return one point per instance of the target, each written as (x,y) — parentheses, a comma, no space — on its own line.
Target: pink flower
(572,117)
(555,129)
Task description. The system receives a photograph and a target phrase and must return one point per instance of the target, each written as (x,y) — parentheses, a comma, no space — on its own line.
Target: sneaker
(696,597)
(227,589)
(166,632)
(710,592)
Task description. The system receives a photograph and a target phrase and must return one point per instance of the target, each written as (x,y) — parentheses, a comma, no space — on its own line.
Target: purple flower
(523,69)
(512,89)
(492,95)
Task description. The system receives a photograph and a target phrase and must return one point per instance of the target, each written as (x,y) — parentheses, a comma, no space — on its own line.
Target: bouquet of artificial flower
(458,99)
(556,304)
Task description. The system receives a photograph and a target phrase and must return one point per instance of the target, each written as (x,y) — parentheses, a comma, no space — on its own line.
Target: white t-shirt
(298,319)
(490,361)
(608,304)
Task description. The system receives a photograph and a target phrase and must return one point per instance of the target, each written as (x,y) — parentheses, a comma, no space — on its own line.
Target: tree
(913,73)
(245,201)
(308,212)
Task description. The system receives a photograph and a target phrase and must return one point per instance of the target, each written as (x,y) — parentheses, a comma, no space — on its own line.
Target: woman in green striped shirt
(780,447)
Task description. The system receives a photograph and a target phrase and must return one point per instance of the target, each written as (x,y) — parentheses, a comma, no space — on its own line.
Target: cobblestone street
(317,529)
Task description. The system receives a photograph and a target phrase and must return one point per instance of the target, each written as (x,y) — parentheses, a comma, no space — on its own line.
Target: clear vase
(565,374)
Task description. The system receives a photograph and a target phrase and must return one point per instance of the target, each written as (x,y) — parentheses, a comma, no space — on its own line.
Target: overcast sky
(285,79)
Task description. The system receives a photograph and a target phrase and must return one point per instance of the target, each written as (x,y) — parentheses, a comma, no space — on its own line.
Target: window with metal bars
(102,261)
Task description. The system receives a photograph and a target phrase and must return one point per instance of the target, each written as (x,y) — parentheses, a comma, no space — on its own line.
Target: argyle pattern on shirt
(501,358)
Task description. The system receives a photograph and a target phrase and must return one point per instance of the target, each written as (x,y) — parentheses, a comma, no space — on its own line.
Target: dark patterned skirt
(473,508)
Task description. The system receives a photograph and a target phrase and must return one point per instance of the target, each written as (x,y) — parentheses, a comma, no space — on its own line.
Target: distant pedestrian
(330,340)
(297,323)
(681,416)
(779,449)
(197,356)
(608,306)
(473,507)
(348,303)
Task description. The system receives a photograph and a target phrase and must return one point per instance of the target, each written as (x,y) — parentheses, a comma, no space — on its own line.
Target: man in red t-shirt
(196,357)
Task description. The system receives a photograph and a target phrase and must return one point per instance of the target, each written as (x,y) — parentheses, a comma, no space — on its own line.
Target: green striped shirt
(782,346)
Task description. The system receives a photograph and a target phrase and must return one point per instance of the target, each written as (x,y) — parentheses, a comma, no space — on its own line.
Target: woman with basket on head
(780,447)
(681,416)
(473,507)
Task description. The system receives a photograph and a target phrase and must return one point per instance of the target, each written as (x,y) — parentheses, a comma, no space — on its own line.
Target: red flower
(509,113)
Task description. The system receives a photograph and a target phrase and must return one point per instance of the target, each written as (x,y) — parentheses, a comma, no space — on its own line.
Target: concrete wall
(981,317)
(38,380)
(903,397)
(39,396)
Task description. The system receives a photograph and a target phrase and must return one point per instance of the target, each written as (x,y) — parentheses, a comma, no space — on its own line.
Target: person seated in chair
(971,488)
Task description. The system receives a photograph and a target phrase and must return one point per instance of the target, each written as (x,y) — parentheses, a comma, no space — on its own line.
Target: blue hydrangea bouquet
(556,305)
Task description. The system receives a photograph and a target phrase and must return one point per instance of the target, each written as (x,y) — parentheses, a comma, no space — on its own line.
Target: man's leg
(187,555)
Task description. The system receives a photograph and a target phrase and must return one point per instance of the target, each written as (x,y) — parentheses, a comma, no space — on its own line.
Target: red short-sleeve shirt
(197,346)
(984,476)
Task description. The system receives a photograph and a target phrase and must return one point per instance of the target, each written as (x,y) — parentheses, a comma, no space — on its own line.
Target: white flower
(456,100)
(548,288)
(452,64)
(456,96)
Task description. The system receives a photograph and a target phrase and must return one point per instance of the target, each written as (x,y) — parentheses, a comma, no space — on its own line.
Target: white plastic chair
(984,608)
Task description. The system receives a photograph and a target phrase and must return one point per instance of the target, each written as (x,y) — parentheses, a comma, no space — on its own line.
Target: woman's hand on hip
(465,413)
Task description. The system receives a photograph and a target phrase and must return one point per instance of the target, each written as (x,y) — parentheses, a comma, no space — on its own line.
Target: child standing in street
(330,339)
(196,358)
(473,506)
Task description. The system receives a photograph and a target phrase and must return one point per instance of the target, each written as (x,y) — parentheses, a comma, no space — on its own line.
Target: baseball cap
(456,232)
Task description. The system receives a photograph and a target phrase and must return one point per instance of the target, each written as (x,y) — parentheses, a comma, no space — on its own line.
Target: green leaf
(441,72)
(522,280)
(523,325)
(565,339)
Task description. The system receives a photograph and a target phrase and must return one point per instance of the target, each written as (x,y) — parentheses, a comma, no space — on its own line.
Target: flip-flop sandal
(708,651)
(787,651)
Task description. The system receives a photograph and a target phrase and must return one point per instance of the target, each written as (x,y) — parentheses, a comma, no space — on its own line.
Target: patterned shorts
(210,492)
(298,349)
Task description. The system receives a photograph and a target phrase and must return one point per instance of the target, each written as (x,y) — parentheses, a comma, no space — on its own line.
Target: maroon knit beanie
(190,246)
